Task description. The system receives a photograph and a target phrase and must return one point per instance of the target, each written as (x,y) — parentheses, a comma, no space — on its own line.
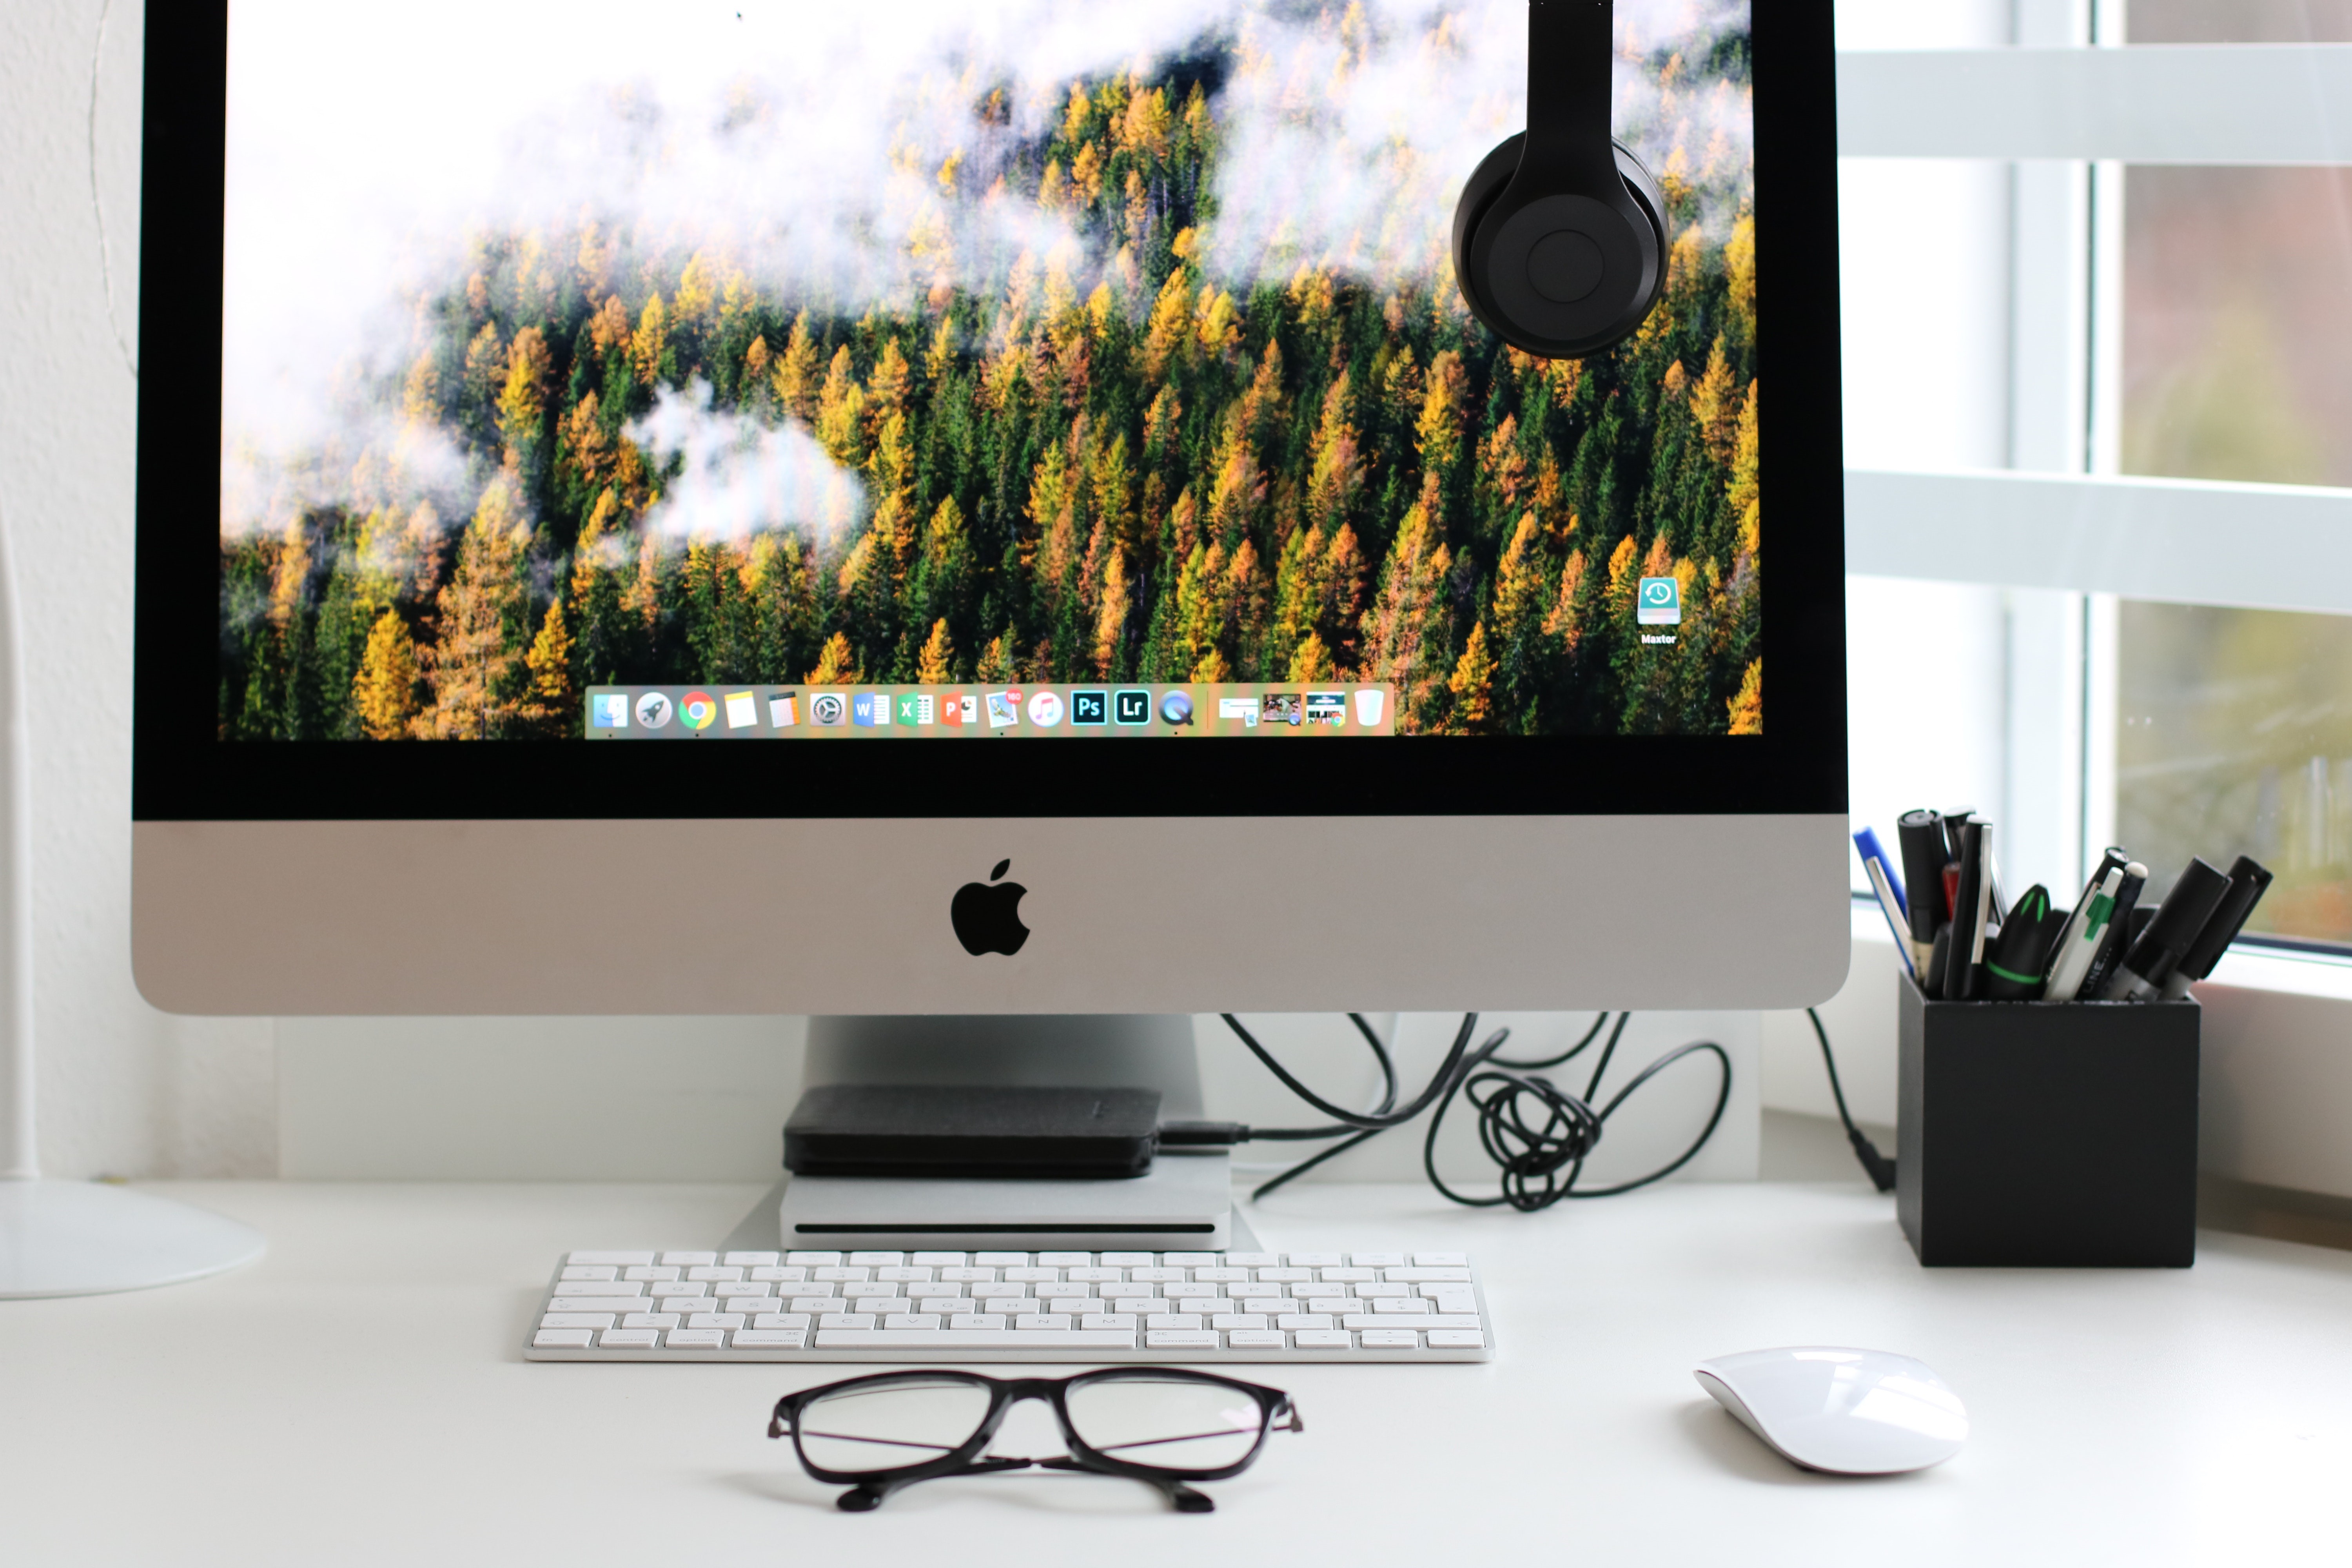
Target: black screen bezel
(183,770)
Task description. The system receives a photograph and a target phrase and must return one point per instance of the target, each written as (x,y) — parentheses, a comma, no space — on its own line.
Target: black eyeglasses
(1166,1425)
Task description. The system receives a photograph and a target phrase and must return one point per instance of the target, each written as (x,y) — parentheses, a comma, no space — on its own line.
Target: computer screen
(608,374)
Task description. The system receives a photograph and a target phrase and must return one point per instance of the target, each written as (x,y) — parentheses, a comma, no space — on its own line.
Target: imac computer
(936,515)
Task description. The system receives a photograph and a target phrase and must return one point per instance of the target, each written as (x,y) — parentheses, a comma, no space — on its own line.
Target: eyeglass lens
(891,1427)
(1167,1424)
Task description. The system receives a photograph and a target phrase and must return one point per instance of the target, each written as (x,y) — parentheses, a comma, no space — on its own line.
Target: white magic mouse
(1848,1412)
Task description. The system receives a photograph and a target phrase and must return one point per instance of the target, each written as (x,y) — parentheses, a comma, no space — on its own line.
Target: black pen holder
(2033,1136)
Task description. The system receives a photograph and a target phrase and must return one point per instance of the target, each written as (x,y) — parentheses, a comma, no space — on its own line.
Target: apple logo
(987,915)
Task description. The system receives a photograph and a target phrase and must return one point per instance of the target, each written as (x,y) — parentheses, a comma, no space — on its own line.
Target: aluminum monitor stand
(1183,1205)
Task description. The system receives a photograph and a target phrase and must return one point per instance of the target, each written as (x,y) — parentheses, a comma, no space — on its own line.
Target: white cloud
(739,477)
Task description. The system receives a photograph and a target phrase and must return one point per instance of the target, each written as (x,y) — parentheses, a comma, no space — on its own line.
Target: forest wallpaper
(1067,350)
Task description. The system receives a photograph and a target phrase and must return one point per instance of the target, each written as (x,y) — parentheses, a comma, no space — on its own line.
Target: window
(2112,299)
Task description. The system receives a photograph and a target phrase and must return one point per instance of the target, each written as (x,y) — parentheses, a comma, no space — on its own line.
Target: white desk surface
(358,1398)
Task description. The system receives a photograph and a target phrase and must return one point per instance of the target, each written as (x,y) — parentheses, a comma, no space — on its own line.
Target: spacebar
(975,1339)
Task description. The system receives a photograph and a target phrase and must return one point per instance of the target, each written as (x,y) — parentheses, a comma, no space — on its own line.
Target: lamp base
(86,1238)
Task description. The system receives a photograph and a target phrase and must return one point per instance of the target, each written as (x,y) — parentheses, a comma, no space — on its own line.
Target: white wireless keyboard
(1203,1308)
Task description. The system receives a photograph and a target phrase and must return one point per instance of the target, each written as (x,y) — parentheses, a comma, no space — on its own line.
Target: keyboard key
(618,1259)
(942,1306)
(1124,1259)
(1176,1287)
(840,1274)
(1334,1304)
(1032,1275)
(1392,1289)
(715,1321)
(1157,1276)
(744,1287)
(813,1258)
(1172,1320)
(978,1339)
(968,1275)
(1431,1320)
(1180,1340)
(1452,1299)
(1315,1260)
(1237,1320)
(1254,1260)
(628,1340)
(1135,1305)
(1323,1339)
(751,1259)
(1376,1259)
(979,1320)
(878,1260)
(650,1320)
(1096,1276)
(1305,1320)
(606,1272)
(560,1339)
(1043,1320)
(903,1274)
(911,1321)
(595,1303)
(576,1321)
(697,1339)
(600,1287)
(1189,1259)
(1255,1339)
(1222,1275)
(780,1274)
(1402,1305)
(768,1322)
(1001,1259)
(1386,1339)
(1107,1321)
(1065,1259)
(938,1260)
(1441,1260)
(1348,1275)
(651,1271)
(1457,1339)
(1284,1276)
(772,1339)
(845,1321)
(878,1305)
(816,1306)
(690,1260)
(1048,1290)
(1266,1304)
(1431,1276)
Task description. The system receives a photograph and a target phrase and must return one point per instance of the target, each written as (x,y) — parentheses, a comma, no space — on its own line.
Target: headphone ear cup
(1643,189)
(1487,183)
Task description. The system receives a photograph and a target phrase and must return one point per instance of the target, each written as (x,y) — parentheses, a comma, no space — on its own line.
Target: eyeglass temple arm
(1288,1407)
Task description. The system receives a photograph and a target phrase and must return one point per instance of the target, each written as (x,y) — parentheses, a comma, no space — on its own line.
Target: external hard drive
(952,1131)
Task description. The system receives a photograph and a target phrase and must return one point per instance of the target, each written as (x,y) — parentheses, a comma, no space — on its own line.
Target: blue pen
(1889,889)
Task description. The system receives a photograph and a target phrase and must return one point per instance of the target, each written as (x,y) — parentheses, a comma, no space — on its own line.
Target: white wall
(122,1087)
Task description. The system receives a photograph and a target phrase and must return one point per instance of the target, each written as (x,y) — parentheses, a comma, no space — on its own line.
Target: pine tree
(471,662)
(1473,687)
(384,694)
(1747,707)
(795,376)
(837,665)
(553,704)
(936,666)
(651,344)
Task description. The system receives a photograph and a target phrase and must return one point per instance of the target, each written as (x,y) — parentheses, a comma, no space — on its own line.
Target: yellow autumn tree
(1312,662)
(935,665)
(1747,707)
(384,693)
(837,664)
(608,329)
(652,340)
(796,374)
(1110,615)
(471,662)
(841,412)
(522,402)
(553,695)
(1473,686)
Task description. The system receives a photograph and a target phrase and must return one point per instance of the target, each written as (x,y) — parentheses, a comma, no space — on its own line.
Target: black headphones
(1559,240)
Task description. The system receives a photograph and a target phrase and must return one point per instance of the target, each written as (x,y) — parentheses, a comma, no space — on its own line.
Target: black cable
(1529,1127)
(1881,1168)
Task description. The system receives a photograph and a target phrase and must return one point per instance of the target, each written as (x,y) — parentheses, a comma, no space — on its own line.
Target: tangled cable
(1538,1134)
